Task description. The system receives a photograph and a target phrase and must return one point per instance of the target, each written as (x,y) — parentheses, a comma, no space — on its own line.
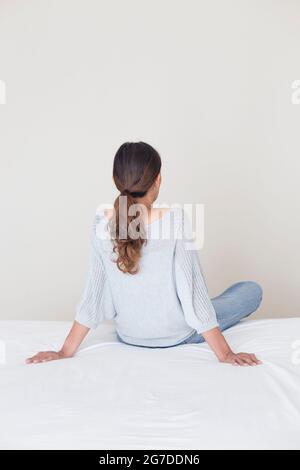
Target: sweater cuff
(85,322)
(203,328)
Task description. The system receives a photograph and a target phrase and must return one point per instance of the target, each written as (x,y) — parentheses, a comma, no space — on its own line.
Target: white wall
(206,82)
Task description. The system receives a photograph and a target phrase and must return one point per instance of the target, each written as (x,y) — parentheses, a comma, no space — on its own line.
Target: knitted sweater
(161,305)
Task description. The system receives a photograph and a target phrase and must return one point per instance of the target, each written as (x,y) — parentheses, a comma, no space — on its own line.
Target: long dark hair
(136,167)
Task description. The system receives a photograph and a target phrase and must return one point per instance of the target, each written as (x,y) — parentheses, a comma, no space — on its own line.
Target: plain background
(208,83)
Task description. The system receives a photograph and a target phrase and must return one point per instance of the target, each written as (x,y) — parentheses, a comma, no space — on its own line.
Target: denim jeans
(235,303)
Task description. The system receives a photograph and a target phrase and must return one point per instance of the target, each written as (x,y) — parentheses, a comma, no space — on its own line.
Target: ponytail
(129,234)
(136,167)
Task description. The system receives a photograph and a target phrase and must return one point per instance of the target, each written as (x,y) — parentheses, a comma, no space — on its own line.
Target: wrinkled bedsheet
(114,396)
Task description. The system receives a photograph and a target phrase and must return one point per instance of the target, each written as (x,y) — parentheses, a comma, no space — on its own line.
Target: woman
(145,273)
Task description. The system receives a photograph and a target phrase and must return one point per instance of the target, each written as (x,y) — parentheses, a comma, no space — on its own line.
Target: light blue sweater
(161,305)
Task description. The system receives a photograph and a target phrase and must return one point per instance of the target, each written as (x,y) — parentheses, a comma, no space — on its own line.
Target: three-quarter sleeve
(90,310)
(191,288)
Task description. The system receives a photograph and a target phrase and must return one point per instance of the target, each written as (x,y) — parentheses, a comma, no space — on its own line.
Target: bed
(114,396)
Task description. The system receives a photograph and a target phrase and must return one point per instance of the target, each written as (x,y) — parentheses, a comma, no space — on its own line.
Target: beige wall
(206,82)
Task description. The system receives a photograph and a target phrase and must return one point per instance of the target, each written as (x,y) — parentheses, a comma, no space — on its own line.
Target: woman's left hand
(45,356)
(77,333)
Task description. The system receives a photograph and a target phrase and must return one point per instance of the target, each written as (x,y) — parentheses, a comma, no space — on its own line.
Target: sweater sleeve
(90,310)
(190,284)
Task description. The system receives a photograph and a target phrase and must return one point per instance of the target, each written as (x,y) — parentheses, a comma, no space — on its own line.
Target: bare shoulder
(104,213)
(159,211)
(109,213)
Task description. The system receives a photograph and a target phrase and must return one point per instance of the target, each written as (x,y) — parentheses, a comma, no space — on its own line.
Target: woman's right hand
(45,356)
(241,359)
(222,350)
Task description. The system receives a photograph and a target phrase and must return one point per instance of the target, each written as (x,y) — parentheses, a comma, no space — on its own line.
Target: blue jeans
(234,304)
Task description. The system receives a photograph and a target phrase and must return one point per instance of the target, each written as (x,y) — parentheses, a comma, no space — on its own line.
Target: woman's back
(151,307)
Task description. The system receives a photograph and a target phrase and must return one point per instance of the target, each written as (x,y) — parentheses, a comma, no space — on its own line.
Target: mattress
(114,396)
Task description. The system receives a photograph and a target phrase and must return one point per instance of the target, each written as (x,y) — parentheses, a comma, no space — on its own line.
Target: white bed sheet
(113,396)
